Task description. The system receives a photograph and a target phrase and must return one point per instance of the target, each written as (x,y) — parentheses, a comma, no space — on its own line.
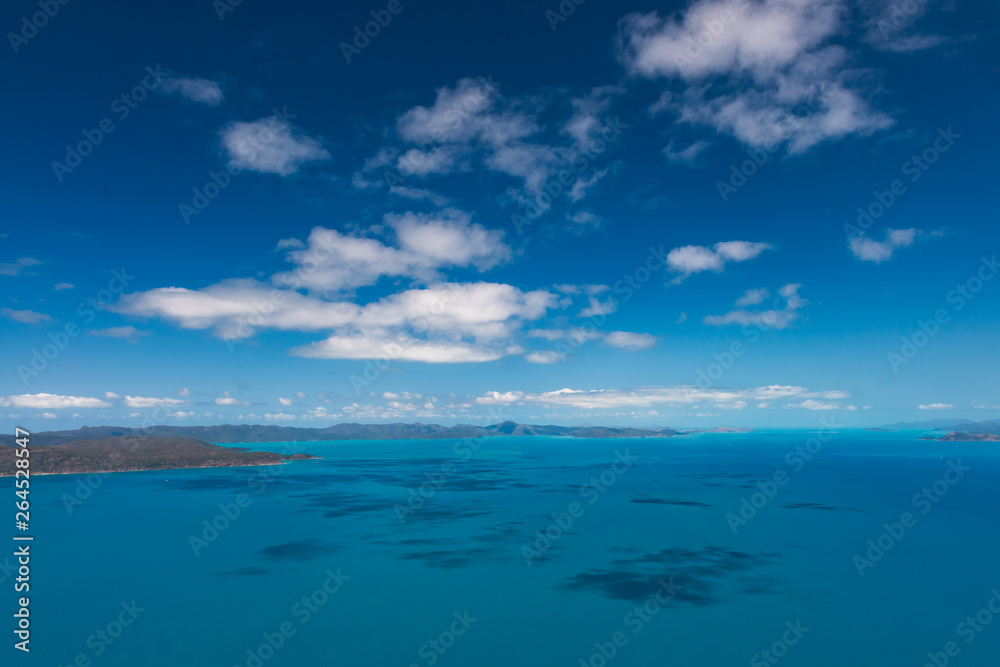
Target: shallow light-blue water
(450,583)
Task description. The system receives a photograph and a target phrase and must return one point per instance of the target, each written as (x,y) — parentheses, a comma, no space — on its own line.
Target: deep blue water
(462,555)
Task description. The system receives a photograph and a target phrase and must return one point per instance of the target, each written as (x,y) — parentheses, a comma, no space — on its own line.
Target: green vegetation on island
(134,453)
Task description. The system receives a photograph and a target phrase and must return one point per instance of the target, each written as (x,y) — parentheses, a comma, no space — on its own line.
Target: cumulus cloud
(142,402)
(629,341)
(869,250)
(695,258)
(644,397)
(25,316)
(753,297)
(405,395)
(471,124)
(270,145)
(584,221)
(284,401)
(543,357)
(937,406)
(227,399)
(194,89)
(812,404)
(366,346)
(597,308)
(773,73)
(331,261)
(52,401)
(781,315)
(444,313)
(499,398)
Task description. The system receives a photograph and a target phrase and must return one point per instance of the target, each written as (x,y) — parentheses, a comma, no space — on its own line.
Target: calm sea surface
(705,550)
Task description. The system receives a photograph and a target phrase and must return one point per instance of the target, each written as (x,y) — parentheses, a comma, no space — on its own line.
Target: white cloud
(18,265)
(576,335)
(753,297)
(449,239)
(597,308)
(443,313)
(584,221)
(420,194)
(141,402)
(543,357)
(891,26)
(180,414)
(588,111)
(183,391)
(471,125)
(674,396)
(695,258)
(776,317)
(270,145)
(580,186)
(472,118)
(194,89)
(811,404)
(227,399)
(332,261)
(119,332)
(868,250)
(278,416)
(405,395)
(52,401)
(365,346)
(498,398)
(25,316)
(937,406)
(284,401)
(629,341)
(772,73)
(686,155)
(63,286)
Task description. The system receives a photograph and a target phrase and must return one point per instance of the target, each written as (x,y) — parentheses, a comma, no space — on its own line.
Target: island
(135,453)
(961,436)
(229,433)
(104,449)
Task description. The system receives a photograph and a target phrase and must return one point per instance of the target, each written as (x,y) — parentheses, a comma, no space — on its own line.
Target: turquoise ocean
(786,547)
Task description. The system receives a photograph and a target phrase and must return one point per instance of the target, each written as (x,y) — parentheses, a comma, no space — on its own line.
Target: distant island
(990,426)
(122,449)
(229,433)
(131,453)
(960,436)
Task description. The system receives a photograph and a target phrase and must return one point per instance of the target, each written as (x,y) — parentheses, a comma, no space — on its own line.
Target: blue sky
(692,214)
